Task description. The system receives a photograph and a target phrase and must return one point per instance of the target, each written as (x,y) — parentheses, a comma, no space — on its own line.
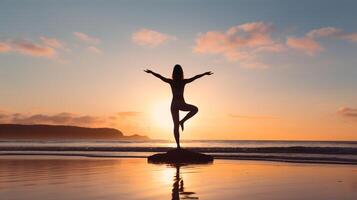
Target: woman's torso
(177,89)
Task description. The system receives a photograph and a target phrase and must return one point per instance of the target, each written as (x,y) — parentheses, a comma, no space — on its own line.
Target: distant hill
(53,132)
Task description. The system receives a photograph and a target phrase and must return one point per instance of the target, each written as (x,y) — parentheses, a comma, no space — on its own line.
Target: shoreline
(290,149)
(219,157)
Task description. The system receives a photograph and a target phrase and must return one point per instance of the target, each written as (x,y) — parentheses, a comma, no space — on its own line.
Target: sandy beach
(63,177)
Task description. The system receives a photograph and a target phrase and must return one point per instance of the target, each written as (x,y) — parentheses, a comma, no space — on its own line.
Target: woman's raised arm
(197,76)
(167,80)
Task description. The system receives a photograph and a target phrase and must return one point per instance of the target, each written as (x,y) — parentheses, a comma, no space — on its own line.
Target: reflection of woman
(178,103)
(178,188)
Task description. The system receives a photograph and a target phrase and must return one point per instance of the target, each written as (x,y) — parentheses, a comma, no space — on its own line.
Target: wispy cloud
(52,42)
(32,49)
(305,44)
(125,115)
(245,43)
(94,49)
(240,43)
(86,38)
(347,112)
(129,114)
(309,45)
(46,47)
(4,47)
(89,40)
(324,32)
(151,38)
(332,32)
(350,37)
(125,120)
(56,119)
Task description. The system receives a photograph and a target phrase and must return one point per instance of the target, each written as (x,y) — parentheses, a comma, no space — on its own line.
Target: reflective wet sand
(56,177)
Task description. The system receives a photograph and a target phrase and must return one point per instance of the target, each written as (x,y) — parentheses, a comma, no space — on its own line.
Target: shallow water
(184,143)
(60,177)
(290,151)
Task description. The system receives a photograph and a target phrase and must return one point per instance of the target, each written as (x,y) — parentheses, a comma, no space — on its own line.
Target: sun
(161,115)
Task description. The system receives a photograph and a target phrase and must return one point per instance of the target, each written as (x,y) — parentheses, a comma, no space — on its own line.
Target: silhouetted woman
(178,103)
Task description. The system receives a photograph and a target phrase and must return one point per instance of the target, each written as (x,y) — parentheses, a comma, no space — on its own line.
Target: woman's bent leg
(176,120)
(192,111)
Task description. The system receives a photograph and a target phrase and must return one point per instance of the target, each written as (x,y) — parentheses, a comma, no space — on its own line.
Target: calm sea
(297,151)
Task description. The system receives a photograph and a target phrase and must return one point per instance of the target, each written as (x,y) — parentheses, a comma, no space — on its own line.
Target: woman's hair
(177,73)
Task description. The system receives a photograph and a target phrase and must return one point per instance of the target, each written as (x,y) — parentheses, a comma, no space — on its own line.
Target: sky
(283,70)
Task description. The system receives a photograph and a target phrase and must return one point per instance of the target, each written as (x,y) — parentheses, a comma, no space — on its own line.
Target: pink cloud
(324,32)
(245,42)
(94,49)
(249,35)
(240,43)
(348,112)
(274,48)
(151,38)
(309,43)
(352,37)
(125,120)
(256,27)
(214,42)
(4,47)
(52,42)
(256,34)
(333,33)
(305,44)
(32,49)
(86,38)
(46,48)
(55,119)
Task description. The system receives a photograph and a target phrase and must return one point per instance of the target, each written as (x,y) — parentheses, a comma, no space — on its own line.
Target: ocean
(287,151)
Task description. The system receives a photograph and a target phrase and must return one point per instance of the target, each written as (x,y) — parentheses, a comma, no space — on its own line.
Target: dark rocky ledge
(180,156)
(43,132)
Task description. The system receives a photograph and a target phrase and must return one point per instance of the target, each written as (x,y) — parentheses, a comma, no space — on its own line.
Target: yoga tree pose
(178,103)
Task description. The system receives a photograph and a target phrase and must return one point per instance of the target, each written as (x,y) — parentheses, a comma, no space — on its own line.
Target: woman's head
(177,73)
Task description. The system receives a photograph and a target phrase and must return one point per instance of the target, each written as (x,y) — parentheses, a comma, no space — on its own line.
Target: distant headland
(61,132)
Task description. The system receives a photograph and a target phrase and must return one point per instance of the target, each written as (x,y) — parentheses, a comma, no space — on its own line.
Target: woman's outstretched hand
(208,73)
(148,71)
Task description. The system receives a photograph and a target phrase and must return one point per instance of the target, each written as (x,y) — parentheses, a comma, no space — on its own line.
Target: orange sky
(279,73)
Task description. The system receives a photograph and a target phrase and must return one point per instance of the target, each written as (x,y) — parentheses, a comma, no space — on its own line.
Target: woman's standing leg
(176,120)
(192,111)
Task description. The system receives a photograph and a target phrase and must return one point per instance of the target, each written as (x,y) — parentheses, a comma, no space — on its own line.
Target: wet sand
(62,177)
